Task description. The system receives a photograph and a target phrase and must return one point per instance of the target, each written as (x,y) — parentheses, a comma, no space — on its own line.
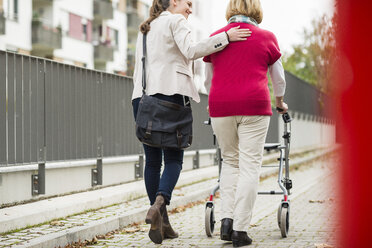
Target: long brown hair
(157,7)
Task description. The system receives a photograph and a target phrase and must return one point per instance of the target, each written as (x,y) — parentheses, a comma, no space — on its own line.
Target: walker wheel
(279,214)
(209,220)
(284,221)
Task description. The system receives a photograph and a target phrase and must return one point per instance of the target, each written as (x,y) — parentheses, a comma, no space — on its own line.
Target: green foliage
(313,59)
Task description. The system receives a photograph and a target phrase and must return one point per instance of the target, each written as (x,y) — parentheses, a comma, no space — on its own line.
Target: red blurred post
(354,112)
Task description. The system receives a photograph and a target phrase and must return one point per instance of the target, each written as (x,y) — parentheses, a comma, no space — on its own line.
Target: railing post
(41,174)
(196,161)
(138,167)
(38,181)
(97,173)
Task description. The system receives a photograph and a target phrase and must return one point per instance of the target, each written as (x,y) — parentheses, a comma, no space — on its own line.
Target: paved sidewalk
(311,224)
(195,187)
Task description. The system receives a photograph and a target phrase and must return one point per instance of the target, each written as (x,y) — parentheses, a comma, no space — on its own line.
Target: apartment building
(137,12)
(96,34)
(91,33)
(15,26)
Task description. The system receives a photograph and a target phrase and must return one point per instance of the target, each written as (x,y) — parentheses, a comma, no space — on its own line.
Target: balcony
(103,53)
(45,39)
(103,10)
(36,4)
(133,22)
(2,23)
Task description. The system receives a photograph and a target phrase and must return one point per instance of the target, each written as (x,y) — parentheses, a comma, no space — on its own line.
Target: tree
(314,58)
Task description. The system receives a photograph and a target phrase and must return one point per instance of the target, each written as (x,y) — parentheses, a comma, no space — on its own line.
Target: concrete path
(193,188)
(311,219)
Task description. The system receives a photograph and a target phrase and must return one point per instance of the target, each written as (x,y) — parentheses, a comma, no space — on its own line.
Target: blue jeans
(155,183)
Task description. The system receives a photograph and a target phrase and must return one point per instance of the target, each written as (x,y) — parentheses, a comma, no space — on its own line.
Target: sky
(285,18)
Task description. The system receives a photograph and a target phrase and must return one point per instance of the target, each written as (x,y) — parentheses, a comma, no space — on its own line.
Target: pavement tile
(308,221)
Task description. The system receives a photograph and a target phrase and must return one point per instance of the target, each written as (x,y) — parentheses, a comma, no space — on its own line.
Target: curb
(21,216)
(106,225)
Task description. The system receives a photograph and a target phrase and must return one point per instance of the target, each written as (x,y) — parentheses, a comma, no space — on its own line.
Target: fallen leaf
(57,223)
(323,246)
(131,230)
(316,201)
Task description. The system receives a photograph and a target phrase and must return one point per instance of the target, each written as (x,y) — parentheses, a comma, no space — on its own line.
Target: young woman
(240,110)
(170,51)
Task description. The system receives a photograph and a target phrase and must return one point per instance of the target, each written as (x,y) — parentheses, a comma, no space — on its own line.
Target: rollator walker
(285,183)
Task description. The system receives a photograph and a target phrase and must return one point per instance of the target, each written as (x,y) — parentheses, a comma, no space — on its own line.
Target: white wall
(73,49)
(119,22)
(18,32)
(76,50)
(82,8)
(307,131)
(15,184)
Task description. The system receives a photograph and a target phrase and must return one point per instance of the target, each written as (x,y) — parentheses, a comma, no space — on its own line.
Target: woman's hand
(237,34)
(281,105)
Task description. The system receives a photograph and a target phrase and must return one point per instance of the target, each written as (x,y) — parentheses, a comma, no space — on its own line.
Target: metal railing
(45,37)
(103,9)
(305,98)
(51,111)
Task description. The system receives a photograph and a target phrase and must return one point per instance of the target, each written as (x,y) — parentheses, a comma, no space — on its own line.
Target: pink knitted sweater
(240,83)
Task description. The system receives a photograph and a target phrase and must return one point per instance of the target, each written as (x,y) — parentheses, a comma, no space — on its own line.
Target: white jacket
(170,51)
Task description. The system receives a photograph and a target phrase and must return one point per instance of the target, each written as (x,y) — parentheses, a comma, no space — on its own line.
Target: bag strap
(144,66)
(186,101)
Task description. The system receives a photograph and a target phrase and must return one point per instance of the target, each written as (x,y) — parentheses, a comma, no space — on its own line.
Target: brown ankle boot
(155,218)
(168,231)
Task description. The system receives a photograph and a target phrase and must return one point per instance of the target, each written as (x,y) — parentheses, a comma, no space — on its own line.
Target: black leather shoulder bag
(162,123)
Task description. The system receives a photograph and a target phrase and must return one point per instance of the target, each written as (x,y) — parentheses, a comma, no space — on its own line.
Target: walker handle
(286,117)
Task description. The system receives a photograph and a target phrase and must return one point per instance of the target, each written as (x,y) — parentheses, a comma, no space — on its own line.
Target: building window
(13,10)
(116,38)
(15,3)
(113,37)
(85,33)
(75,24)
(80,28)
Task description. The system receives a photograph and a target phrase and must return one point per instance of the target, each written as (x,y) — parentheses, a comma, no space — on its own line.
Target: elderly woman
(240,110)
(170,51)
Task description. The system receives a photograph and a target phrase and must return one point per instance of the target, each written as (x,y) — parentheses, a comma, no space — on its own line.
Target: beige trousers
(242,140)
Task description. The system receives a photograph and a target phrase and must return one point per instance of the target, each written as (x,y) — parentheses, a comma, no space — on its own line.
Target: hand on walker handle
(237,34)
(281,107)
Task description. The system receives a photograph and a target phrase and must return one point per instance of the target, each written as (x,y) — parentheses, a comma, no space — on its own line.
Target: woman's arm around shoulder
(190,49)
(194,50)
